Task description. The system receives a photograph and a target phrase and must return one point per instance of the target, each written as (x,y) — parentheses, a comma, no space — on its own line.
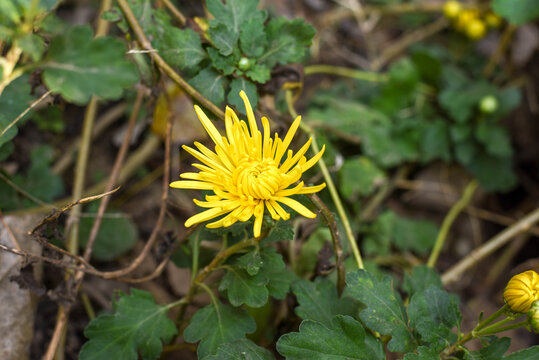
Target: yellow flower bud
(476,29)
(464,18)
(533,316)
(521,291)
(493,20)
(451,9)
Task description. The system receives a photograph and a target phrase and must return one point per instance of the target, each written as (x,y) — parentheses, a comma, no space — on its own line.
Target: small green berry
(244,64)
(488,104)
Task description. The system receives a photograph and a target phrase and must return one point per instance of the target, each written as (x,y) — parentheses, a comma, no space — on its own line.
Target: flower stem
(329,181)
(491,318)
(344,71)
(467,196)
(499,329)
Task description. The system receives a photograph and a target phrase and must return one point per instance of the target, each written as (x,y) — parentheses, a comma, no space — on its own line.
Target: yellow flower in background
(521,291)
(247,173)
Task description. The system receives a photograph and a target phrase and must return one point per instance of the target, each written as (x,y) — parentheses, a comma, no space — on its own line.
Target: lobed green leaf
(137,325)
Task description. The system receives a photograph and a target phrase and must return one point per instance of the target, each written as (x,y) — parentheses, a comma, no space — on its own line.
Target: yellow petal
(312,189)
(287,139)
(208,125)
(313,160)
(204,216)
(197,185)
(289,162)
(272,211)
(296,206)
(290,192)
(279,209)
(250,114)
(259,215)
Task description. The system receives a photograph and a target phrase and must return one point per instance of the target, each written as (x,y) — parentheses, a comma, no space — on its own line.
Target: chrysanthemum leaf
(116,235)
(359,175)
(493,351)
(234,12)
(345,339)
(137,325)
(274,269)
(259,73)
(223,37)
(253,37)
(423,353)
(226,64)
(288,41)
(78,66)
(251,262)
(385,311)
(181,48)
(433,313)
(243,349)
(525,354)
(421,278)
(217,324)
(210,84)
(242,288)
(236,86)
(517,12)
(319,301)
(13,101)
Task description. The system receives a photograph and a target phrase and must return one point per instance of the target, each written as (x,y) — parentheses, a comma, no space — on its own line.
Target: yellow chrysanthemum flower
(521,291)
(247,173)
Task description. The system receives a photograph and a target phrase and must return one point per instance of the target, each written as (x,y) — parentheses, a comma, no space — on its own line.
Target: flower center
(257,179)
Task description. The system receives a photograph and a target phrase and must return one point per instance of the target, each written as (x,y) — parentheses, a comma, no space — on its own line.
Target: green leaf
(319,301)
(33,45)
(40,181)
(223,37)
(226,64)
(253,37)
(415,235)
(78,66)
(251,262)
(344,340)
(234,98)
(385,312)
(517,12)
(217,324)
(137,325)
(288,41)
(436,143)
(259,73)
(234,12)
(117,234)
(433,313)
(530,353)
(493,351)
(461,101)
(360,176)
(492,172)
(243,349)
(405,234)
(421,278)
(181,48)
(495,138)
(423,353)
(50,119)
(243,288)
(274,269)
(210,84)
(13,101)
(281,230)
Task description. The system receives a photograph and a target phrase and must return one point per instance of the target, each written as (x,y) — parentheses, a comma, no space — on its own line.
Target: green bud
(488,104)
(244,64)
